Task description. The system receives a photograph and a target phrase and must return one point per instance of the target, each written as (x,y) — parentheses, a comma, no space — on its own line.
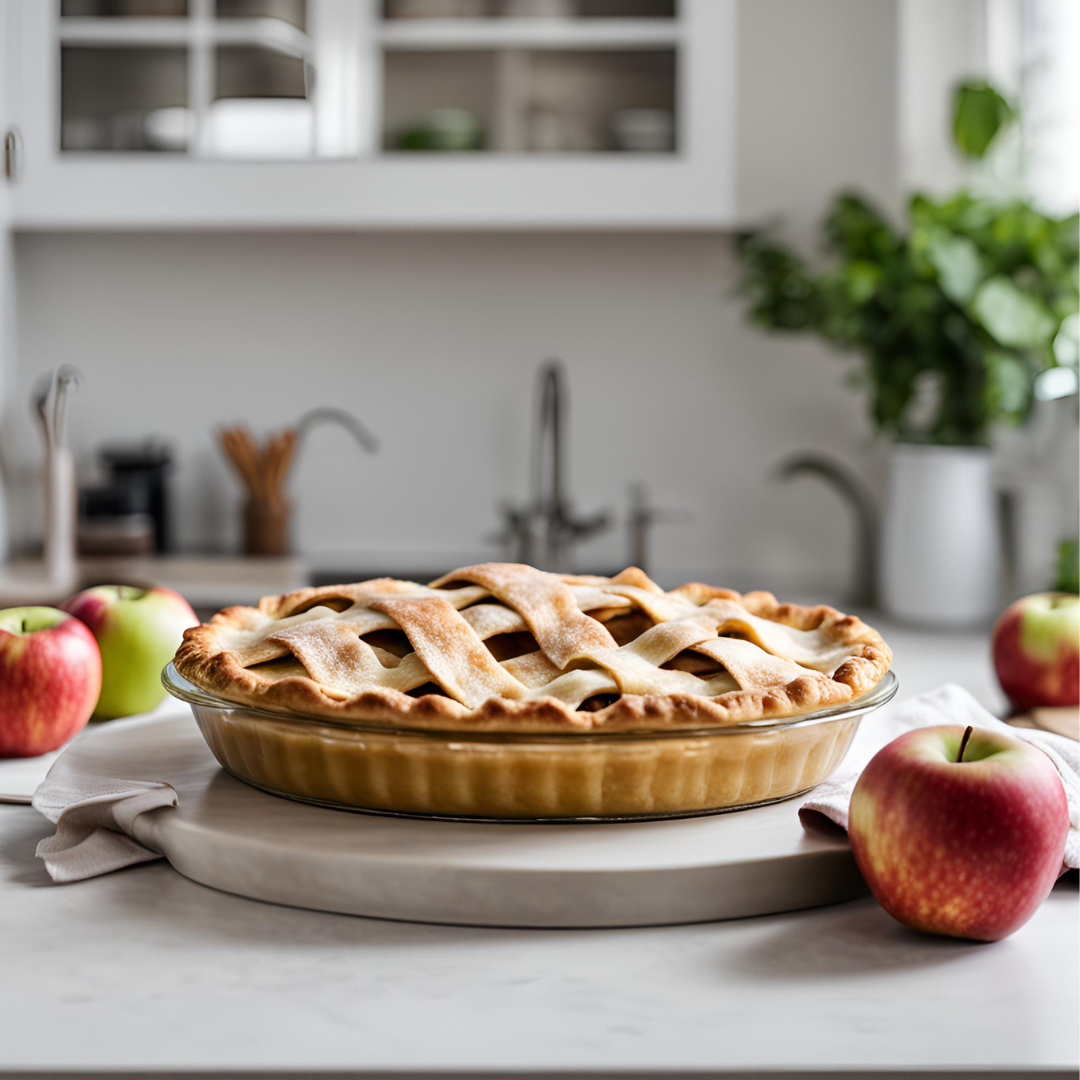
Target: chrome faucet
(863,589)
(544,531)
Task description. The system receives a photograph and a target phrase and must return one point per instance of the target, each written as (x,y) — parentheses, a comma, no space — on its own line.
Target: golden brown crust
(206,659)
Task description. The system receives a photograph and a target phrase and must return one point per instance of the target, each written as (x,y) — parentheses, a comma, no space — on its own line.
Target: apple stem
(963,744)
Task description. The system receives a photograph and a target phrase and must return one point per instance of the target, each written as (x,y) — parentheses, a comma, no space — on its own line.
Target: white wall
(939,45)
(433,341)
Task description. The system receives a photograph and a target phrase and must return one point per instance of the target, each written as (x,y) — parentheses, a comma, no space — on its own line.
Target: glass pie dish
(521,777)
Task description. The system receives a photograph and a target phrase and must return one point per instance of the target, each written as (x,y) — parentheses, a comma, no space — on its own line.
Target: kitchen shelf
(530,34)
(274,34)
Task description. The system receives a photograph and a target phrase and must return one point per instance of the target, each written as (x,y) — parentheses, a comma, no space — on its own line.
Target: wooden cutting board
(230,836)
(1064,721)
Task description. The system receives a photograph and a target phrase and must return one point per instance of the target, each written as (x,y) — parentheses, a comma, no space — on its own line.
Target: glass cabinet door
(281,79)
(257,79)
(529,76)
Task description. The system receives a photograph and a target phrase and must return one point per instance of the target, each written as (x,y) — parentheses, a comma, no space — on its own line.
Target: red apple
(138,632)
(1037,651)
(50,676)
(959,835)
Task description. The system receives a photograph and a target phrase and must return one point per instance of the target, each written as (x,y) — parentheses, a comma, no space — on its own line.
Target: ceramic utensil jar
(940,558)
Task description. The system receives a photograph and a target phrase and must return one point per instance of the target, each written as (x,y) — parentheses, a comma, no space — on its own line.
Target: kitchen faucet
(863,589)
(543,532)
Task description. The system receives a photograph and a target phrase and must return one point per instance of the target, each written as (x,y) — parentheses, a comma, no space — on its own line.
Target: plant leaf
(856,229)
(979,113)
(1012,317)
(1067,342)
(862,279)
(1008,387)
(958,263)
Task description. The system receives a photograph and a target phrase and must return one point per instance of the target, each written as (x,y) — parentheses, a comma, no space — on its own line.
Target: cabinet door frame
(694,188)
(9,88)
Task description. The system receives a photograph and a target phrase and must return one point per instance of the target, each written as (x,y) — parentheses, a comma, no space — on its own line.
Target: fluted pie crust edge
(209,658)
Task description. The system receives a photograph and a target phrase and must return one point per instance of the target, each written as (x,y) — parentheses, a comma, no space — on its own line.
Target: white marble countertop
(145,971)
(205,581)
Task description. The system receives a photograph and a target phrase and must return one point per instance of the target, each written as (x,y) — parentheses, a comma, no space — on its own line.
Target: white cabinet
(237,113)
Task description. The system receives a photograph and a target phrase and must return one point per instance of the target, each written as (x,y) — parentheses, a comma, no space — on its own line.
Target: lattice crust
(502,646)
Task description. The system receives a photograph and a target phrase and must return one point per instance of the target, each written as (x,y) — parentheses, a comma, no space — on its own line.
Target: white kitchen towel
(21,777)
(947,705)
(94,819)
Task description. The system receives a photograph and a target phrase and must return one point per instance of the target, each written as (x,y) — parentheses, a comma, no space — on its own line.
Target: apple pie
(500,690)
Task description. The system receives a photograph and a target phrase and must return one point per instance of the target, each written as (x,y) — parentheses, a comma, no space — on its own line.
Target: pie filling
(503,649)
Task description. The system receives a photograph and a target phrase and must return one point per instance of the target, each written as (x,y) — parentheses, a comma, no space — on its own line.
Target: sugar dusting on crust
(774,659)
(563,631)
(450,649)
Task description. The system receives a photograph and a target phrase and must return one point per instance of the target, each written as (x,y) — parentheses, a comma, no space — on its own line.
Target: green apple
(138,631)
(1036,649)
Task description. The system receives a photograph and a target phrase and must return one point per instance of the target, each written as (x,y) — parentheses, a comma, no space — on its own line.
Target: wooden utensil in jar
(263,471)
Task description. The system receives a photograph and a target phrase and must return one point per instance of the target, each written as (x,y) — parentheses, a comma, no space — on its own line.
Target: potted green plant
(954,314)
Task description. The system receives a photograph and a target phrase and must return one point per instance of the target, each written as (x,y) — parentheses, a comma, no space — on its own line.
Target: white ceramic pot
(940,558)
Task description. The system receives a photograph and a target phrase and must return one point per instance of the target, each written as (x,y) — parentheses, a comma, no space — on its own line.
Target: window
(1032,53)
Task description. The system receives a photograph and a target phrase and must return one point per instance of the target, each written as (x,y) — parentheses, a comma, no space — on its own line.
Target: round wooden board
(230,836)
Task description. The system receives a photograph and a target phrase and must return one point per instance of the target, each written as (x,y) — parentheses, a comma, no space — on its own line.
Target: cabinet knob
(12,153)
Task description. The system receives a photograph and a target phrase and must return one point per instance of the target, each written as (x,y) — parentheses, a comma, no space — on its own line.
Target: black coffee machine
(141,470)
